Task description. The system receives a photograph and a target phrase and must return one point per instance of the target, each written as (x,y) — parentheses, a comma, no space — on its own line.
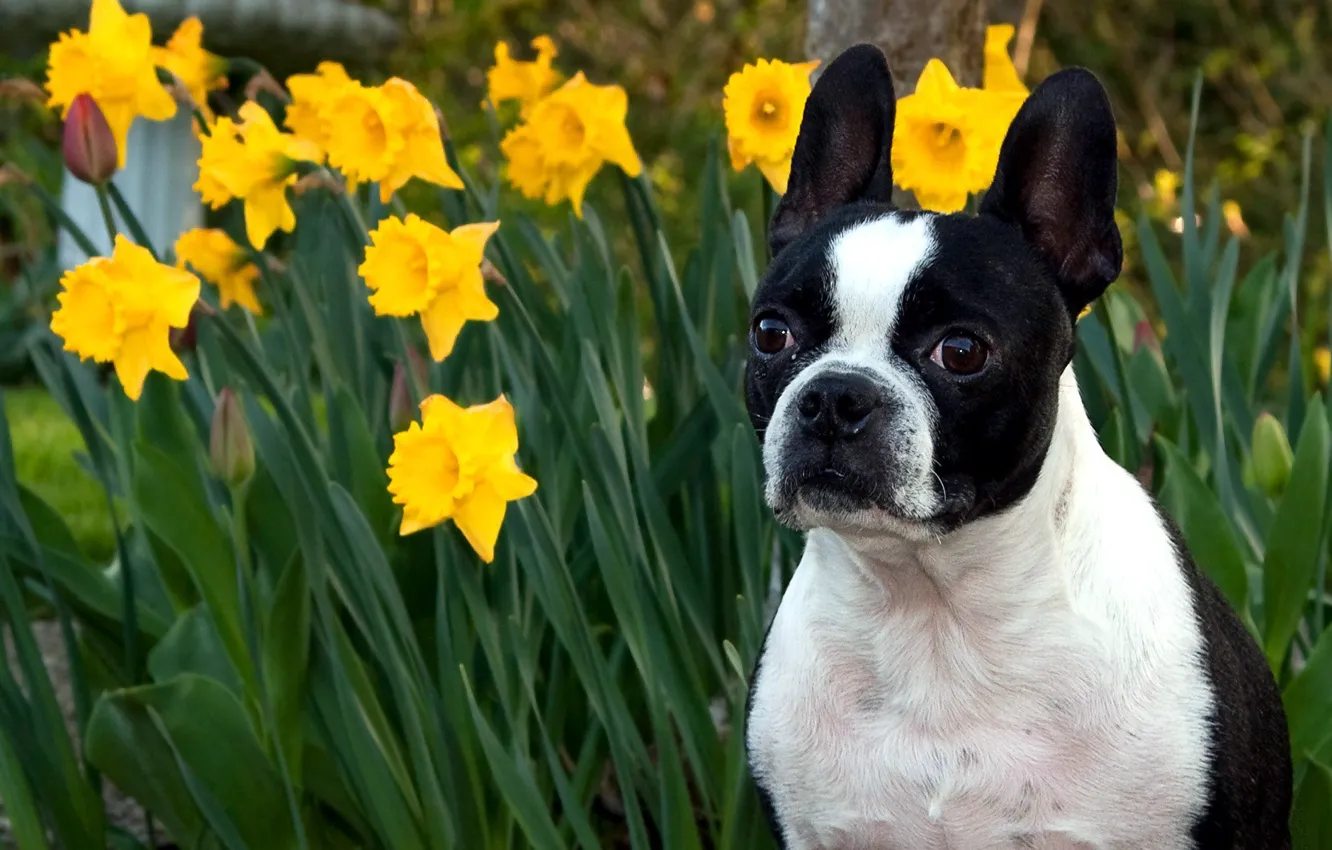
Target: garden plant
(447,530)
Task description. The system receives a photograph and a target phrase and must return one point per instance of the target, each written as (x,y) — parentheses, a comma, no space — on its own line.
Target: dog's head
(904,366)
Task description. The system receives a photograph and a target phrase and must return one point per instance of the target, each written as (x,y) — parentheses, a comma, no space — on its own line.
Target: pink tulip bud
(1144,336)
(89,146)
(420,369)
(401,409)
(230,450)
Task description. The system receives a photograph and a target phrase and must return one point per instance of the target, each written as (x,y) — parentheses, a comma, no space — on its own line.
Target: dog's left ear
(844,151)
(1057,179)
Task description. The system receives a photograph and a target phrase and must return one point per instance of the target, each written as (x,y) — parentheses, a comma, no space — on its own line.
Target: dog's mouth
(827,485)
(828,491)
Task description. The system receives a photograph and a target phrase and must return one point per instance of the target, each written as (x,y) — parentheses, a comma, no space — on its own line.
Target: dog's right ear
(844,150)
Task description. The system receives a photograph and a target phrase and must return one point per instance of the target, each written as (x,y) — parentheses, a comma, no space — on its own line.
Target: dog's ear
(844,150)
(1056,180)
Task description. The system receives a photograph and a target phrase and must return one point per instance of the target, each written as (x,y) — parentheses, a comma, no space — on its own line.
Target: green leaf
(193,646)
(515,782)
(136,735)
(1205,525)
(286,656)
(25,823)
(1293,541)
(177,515)
(367,482)
(744,252)
(124,744)
(1311,816)
(1308,700)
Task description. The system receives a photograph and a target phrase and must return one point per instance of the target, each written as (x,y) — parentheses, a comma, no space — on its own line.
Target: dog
(994,637)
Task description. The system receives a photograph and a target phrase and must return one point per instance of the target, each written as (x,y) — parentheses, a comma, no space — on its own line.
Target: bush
(265,664)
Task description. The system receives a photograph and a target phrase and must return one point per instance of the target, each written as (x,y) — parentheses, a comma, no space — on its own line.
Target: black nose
(838,407)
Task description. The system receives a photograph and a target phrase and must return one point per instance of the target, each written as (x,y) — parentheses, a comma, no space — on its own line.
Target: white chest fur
(1034,680)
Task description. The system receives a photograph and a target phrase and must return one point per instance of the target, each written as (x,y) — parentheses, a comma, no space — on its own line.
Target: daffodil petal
(776,173)
(479,518)
(442,323)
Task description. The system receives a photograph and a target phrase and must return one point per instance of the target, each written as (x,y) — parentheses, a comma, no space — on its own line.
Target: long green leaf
(1296,534)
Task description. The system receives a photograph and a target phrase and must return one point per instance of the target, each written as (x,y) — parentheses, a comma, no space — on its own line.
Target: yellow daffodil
(458,463)
(120,309)
(112,62)
(764,103)
(416,268)
(361,138)
(1322,360)
(256,162)
(566,139)
(1234,216)
(1165,185)
(1000,73)
(223,144)
(198,70)
(212,253)
(422,152)
(310,96)
(388,134)
(525,82)
(947,138)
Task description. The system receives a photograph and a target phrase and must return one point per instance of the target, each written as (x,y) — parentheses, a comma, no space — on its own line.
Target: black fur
(1249,799)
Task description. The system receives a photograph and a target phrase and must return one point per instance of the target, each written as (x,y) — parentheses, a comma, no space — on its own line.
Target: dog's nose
(838,407)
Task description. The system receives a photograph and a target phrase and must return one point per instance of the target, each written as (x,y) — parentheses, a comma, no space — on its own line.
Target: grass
(45,445)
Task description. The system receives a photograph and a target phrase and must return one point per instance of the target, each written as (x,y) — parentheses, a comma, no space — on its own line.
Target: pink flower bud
(89,146)
(420,369)
(1145,337)
(401,409)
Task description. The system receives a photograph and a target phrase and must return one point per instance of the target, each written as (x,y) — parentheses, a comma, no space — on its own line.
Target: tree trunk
(910,33)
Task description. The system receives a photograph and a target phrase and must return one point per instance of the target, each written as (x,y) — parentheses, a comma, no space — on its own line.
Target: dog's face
(904,366)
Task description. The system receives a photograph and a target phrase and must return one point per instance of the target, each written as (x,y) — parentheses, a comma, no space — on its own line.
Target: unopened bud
(1272,457)
(420,369)
(89,147)
(230,450)
(492,274)
(401,409)
(1144,336)
(20,89)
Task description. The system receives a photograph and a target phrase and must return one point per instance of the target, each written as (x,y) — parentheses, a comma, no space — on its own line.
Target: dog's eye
(960,354)
(771,335)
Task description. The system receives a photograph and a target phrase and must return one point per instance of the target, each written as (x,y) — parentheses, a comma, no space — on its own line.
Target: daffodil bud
(89,146)
(1272,457)
(230,450)
(401,409)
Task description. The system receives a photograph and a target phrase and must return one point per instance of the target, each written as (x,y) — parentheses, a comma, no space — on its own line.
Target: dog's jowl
(994,638)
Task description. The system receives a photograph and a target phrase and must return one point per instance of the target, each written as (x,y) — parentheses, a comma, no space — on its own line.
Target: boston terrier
(994,638)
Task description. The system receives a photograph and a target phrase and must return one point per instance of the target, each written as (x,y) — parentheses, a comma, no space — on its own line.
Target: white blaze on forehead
(871,265)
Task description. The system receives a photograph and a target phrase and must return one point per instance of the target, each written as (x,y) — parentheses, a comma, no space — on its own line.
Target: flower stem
(136,231)
(107,217)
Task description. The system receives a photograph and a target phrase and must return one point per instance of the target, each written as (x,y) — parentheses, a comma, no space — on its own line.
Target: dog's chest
(899,732)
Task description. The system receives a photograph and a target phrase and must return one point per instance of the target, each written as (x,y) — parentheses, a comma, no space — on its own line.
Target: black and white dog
(994,639)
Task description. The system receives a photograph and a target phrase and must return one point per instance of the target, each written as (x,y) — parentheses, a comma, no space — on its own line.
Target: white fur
(872,264)
(1033,679)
